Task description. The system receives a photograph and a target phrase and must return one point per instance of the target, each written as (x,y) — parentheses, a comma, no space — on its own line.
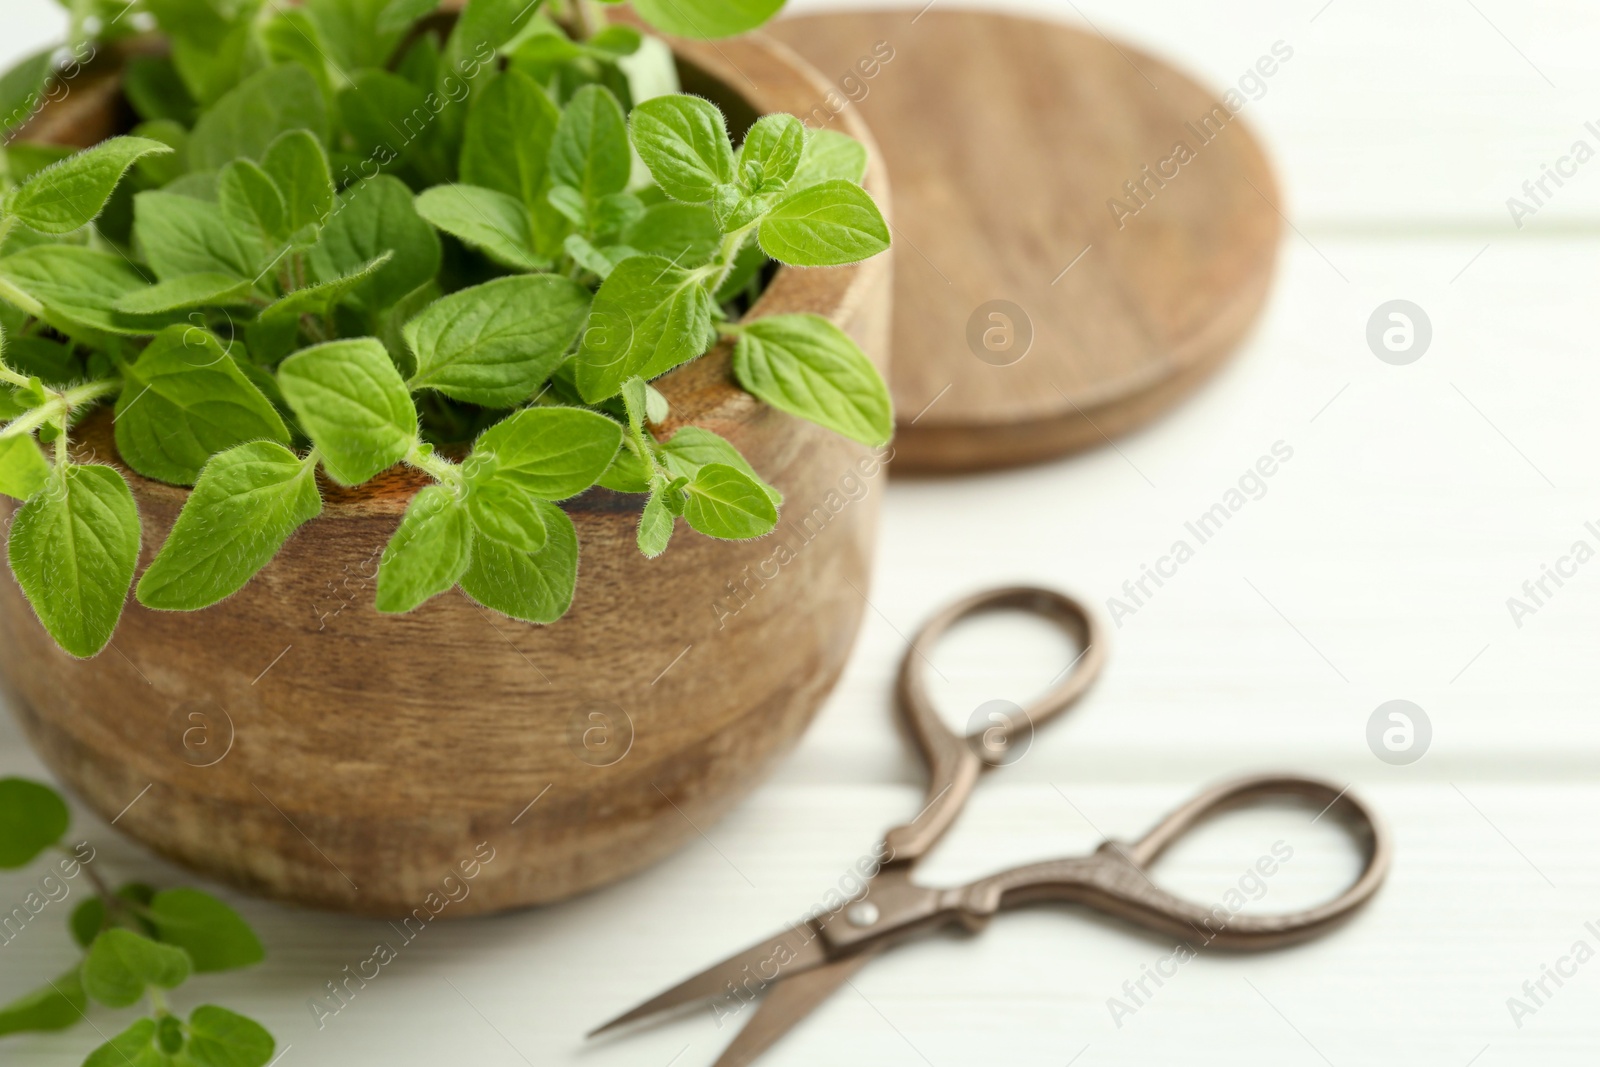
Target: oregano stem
(61,406)
(727,254)
(20,300)
(441,470)
(14,377)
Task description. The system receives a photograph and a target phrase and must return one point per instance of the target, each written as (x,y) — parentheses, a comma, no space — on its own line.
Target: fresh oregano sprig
(343,239)
(138,944)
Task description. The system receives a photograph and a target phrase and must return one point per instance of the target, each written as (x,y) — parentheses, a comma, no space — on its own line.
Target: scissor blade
(790,1001)
(740,977)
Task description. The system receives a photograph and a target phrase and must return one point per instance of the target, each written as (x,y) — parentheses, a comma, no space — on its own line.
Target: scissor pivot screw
(862,913)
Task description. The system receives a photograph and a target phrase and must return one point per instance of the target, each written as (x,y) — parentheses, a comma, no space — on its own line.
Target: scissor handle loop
(955,761)
(1115,879)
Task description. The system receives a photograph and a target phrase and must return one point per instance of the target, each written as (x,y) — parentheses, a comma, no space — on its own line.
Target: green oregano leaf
(807,366)
(497,225)
(727,503)
(207,289)
(707,18)
(79,287)
(353,405)
(771,151)
(655,526)
(551,453)
(221,1038)
(74,546)
(135,1046)
(398,15)
(69,195)
(590,149)
(245,505)
(246,121)
(179,235)
(32,818)
(495,344)
(685,234)
(298,166)
(830,156)
(648,317)
(23,468)
(377,216)
(183,401)
(121,965)
(693,447)
(428,553)
(684,142)
(54,1006)
(319,298)
(251,200)
(506,146)
(534,587)
(824,225)
(212,933)
(501,512)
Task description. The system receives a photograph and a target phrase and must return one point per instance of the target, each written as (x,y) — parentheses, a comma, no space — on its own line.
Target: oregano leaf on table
(32,818)
(58,1004)
(210,931)
(121,965)
(218,1037)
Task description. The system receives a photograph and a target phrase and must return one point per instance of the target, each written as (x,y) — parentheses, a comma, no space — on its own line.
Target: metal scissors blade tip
(743,975)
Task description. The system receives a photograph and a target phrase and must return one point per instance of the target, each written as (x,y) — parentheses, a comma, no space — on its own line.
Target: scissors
(796,969)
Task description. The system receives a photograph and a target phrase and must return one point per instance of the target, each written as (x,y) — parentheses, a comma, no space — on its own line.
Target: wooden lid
(1082,232)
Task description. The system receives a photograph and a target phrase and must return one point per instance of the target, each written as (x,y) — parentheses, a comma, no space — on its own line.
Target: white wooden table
(1377,566)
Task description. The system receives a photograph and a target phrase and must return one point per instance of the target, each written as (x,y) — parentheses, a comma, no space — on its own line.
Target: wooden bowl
(295,743)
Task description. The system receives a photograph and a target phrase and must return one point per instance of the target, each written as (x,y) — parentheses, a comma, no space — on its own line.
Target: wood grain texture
(1008,139)
(370,755)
